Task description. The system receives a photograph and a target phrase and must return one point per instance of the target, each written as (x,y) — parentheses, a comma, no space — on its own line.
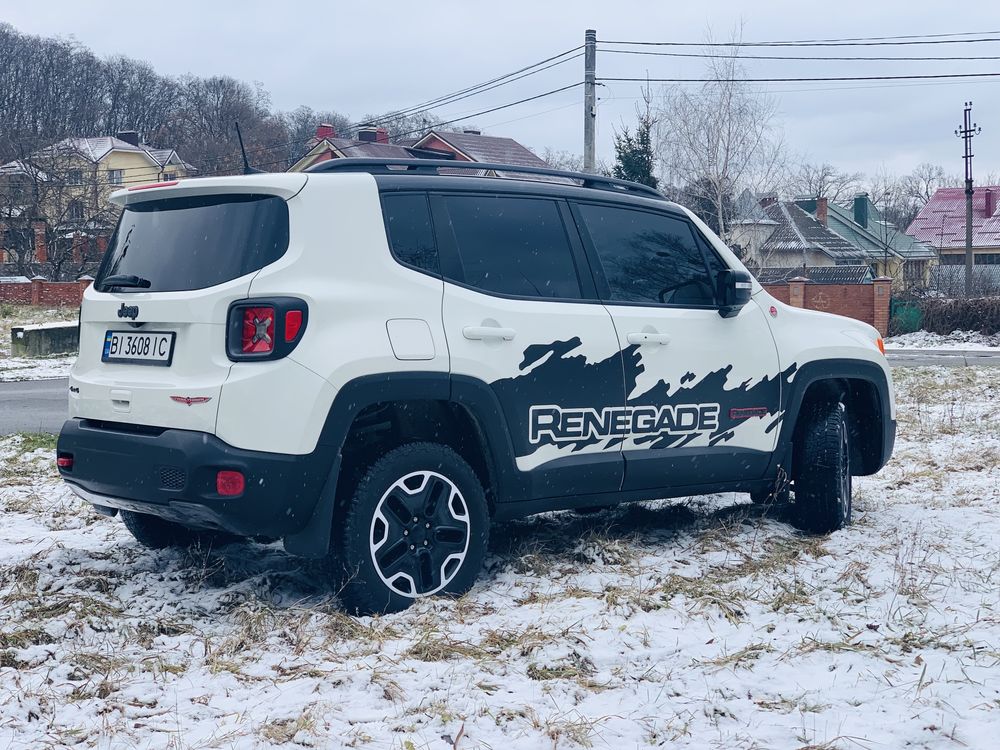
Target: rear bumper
(171,473)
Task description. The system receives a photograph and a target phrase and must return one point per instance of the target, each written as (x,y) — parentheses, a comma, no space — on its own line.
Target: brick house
(889,250)
(941,224)
(371,142)
(55,216)
(814,232)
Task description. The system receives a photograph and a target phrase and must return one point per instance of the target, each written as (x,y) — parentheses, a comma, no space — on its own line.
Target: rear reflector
(64,461)
(229,483)
(258,330)
(293,323)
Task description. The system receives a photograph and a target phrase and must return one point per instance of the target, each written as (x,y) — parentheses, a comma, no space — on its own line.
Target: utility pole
(589,99)
(968,130)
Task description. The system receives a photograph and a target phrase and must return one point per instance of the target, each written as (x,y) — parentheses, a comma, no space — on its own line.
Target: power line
(808,43)
(435,102)
(796,57)
(804,79)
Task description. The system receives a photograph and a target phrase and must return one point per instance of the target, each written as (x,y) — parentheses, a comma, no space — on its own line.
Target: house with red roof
(373,142)
(941,224)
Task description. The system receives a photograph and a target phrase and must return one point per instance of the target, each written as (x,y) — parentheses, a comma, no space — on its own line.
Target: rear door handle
(648,338)
(480,333)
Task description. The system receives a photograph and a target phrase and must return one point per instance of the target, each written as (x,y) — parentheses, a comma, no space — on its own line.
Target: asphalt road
(40,406)
(33,406)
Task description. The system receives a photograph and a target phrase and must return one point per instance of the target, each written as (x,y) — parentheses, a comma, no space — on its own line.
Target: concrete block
(43,340)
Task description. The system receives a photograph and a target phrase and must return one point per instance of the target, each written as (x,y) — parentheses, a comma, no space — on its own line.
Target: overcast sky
(363,57)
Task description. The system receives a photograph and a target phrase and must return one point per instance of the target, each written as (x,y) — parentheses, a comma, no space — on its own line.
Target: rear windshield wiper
(125,281)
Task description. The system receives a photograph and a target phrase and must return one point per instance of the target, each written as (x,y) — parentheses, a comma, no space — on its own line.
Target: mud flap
(314,539)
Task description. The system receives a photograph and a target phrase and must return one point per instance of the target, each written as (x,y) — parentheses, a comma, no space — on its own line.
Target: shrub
(946,315)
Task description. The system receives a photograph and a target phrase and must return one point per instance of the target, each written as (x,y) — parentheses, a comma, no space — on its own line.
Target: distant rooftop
(941,222)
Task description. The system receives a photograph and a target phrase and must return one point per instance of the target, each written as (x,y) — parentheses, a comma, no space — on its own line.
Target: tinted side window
(647,257)
(514,246)
(411,234)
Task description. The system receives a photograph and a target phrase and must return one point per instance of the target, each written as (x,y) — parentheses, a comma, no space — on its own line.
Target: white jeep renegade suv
(374,359)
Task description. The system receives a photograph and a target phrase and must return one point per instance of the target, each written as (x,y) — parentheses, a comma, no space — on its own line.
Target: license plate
(138,348)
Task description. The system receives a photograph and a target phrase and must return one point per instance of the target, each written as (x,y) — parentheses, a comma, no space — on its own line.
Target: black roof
(431,167)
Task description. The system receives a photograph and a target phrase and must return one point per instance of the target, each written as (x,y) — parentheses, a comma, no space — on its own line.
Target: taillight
(230,483)
(65,461)
(267,328)
(880,344)
(293,322)
(258,330)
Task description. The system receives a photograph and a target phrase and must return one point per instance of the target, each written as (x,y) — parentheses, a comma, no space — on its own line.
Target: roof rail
(431,166)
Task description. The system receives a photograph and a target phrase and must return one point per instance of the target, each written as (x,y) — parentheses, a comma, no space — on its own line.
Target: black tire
(158,533)
(823,484)
(387,559)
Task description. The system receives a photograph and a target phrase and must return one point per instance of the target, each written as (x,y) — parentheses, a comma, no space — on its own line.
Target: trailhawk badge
(558,425)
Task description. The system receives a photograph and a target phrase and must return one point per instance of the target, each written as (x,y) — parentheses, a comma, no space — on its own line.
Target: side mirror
(733,291)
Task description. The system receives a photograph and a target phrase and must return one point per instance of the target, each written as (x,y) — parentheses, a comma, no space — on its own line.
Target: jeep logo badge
(128,311)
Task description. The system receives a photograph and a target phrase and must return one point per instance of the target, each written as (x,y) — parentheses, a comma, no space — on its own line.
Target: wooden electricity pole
(589,100)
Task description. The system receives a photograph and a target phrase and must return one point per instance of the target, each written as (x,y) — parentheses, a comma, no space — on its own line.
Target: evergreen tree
(634,152)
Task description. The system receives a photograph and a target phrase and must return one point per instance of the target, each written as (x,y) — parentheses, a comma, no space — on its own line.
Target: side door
(702,391)
(521,314)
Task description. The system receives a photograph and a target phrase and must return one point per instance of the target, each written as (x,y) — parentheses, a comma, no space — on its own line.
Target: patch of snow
(701,624)
(967,340)
(35,368)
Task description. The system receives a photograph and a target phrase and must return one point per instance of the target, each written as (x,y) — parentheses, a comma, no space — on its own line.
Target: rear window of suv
(180,244)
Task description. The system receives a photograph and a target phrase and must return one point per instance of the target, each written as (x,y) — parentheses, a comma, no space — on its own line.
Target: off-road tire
(372,521)
(158,533)
(823,483)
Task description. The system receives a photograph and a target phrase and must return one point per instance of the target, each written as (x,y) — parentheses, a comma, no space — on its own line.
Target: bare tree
(566,160)
(823,180)
(720,138)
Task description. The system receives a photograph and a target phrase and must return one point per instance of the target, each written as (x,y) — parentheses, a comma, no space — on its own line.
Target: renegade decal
(570,425)
(699,405)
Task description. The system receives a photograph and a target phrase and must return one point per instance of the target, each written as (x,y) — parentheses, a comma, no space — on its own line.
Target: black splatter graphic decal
(596,385)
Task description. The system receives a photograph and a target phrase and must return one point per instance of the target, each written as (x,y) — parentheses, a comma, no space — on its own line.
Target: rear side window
(648,258)
(179,244)
(515,246)
(411,233)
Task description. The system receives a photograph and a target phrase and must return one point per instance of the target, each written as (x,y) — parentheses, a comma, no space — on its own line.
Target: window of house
(987,259)
(515,246)
(648,258)
(74,177)
(116,176)
(410,231)
(168,176)
(75,211)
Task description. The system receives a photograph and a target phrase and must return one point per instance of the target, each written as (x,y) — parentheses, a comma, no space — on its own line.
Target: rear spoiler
(283,184)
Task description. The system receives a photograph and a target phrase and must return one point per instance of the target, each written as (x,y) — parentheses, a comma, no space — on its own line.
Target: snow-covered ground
(964,340)
(32,368)
(700,625)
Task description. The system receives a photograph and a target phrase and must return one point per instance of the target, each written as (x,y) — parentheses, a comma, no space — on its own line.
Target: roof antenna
(247,169)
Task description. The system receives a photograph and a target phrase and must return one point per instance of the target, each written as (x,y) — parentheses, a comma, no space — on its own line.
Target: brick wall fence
(38,291)
(866,302)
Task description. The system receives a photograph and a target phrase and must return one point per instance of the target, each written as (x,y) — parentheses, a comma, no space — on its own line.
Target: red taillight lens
(258,330)
(230,483)
(64,461)
(293,324)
